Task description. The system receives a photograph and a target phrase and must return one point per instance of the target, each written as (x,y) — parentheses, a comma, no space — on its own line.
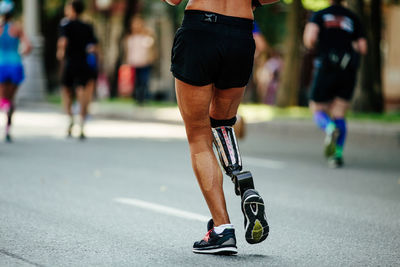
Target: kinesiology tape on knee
(228,149)
(219,123)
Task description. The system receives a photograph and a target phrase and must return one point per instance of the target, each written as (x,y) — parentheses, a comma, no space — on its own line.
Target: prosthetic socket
(229,156)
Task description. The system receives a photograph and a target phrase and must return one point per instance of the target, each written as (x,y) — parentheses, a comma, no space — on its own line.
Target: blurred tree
(52,12)
(369,96)
(289,87)
(312,4)
(271,20)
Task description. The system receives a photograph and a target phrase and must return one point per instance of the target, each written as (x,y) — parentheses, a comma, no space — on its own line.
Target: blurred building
(33,88)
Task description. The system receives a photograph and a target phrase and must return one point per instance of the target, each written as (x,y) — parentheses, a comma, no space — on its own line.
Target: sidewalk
(171,115)
(261,121)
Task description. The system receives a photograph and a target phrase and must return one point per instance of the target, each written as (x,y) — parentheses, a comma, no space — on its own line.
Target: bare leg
(339,108)
(317,106)
(194,104)
(85,97)
(2,85)
(68,98)
(8,92)
(225,103)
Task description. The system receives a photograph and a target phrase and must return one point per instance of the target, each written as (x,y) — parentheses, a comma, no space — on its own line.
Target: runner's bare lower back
(234,8)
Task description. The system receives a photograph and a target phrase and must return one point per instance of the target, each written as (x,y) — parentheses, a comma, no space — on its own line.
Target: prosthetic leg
(252,204)
(229,155)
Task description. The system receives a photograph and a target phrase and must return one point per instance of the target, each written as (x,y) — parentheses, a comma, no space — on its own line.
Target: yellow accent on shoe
(257,231)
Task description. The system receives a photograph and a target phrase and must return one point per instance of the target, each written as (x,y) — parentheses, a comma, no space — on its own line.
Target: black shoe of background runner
(69,130)
(8,138)
(335,162)
(330,143)
(82,136)
(255,220)
(213,243)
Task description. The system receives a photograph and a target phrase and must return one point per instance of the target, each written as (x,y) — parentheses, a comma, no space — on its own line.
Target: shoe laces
(207,236)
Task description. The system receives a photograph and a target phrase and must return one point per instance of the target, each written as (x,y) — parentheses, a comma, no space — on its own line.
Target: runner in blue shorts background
(11,69)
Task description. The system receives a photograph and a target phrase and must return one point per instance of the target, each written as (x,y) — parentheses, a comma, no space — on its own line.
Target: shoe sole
(257,228)
(217,251)
(330,145)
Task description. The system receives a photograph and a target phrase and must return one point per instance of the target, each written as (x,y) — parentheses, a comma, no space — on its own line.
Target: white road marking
(264,163)
(162,209)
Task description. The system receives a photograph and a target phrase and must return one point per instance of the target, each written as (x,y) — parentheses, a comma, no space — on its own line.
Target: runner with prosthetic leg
(212,59)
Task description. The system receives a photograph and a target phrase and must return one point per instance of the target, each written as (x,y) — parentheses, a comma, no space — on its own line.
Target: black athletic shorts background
(331,82)
(79,34)
(212,48)
(77,74)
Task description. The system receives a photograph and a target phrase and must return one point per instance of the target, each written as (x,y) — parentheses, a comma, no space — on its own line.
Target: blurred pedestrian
(77,48)
(338,36)
(273,66)
(254,89)
(11,69)
(212,59)
(140,54)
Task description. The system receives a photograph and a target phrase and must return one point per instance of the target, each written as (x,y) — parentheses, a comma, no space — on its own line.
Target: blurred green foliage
(272,21)
(314,5)
(52,7)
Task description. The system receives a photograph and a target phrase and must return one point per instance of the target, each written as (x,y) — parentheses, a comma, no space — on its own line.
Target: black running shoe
(213,243)
(335,162)
(69,130)
(8,138)
(82,136)
(330,143)
(255,220)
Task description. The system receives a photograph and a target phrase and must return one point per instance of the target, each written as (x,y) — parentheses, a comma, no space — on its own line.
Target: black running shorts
(76,74)
(330,83)
(210,48)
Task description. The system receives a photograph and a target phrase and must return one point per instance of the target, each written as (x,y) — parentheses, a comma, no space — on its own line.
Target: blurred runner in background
(338,36)
(77,46)
(140,54)
(11,69)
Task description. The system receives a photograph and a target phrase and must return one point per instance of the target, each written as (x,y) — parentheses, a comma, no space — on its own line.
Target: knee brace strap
(228,149)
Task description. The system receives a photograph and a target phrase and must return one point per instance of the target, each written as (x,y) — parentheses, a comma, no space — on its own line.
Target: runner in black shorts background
(212,60)
(337,34)
(77,46)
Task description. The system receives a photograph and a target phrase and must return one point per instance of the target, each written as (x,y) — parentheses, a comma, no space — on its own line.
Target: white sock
(222,227)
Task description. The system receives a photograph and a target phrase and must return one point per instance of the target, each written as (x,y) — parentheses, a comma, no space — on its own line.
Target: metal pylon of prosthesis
(229,156)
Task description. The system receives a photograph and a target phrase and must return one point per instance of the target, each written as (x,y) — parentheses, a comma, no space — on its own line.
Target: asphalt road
(127,197)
